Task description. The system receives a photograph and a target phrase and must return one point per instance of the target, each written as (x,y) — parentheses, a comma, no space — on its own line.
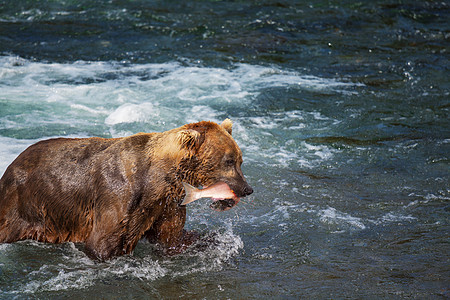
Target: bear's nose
(248,190)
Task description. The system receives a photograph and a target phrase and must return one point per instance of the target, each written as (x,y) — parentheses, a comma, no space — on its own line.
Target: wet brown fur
(109,193)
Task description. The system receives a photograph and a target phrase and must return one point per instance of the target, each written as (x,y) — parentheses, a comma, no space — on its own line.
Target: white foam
(264,122)
(331,215)
(424,199)
(78,275)
(391,217)
(275,77)
(64,280)
(290,151)
(4,247)
(280,212)
(226,245)
(172,81)
(79,272)
(437,197)
(323,152)
(9,149)
(305,155)
(144,269)
(88,109)
(84,93)
(128,113)
(198,112)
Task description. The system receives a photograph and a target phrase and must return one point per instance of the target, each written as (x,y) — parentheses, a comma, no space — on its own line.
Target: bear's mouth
(223,204)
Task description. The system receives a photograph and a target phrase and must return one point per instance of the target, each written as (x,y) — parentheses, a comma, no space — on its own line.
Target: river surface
(341,109)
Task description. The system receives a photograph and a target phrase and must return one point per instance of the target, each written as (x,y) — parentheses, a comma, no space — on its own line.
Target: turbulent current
(341,110)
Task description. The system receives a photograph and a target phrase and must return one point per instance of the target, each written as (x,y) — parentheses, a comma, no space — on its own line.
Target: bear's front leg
(110,236)
(168,232)
(103,247)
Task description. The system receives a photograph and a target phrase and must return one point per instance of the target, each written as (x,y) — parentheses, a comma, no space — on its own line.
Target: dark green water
(340,107)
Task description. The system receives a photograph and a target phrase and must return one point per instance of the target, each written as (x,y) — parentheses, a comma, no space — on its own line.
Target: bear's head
(211,155)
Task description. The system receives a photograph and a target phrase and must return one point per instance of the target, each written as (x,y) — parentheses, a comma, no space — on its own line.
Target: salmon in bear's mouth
(223,197)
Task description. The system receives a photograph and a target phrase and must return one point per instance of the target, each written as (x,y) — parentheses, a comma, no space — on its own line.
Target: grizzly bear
(110,193)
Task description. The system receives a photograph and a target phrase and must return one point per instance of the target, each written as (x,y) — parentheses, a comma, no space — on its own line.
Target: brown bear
(109,193)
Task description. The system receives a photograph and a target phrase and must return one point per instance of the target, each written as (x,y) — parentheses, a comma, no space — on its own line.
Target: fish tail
(190,193)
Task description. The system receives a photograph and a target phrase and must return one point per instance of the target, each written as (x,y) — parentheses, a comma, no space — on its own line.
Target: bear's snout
(248,190)
(242,189)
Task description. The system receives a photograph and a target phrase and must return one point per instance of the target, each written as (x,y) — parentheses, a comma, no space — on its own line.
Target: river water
(341,109)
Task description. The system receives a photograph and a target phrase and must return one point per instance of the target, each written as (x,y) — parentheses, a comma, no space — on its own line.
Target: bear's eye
(229,162)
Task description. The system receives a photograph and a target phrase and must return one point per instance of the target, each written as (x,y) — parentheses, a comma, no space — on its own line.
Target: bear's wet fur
(109,193)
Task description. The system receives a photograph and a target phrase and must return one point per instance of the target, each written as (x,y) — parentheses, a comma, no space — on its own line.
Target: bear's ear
(227,125)
(189,139)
